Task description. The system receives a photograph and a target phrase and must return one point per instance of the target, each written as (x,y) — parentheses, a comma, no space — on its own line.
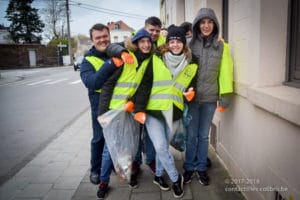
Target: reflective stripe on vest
(181,83)
(161,93)
(96,63)
(128,83)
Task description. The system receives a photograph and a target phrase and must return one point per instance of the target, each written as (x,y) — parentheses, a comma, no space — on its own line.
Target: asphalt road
(36,105)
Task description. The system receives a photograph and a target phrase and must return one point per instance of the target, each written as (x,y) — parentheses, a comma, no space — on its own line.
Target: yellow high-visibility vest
(127,83)
(226,72)
(96,63)
(161,97)
(161,40)
(181,83)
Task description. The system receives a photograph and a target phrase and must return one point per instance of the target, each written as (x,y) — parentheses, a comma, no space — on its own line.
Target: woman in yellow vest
(166,104)
(127,88)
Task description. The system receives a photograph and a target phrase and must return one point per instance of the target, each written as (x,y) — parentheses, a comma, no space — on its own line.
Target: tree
(25,23)
(55,15)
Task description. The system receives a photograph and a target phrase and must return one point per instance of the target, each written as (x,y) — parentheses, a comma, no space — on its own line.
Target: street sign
(61,45)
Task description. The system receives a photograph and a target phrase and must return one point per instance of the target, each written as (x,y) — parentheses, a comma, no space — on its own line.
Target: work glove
(140,117)
(221,109)
(190,94)
(129,106)
(127,58)
(117,61)
(224,102)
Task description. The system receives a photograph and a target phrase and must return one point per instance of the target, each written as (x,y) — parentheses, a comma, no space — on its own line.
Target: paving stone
(35,191)
(59,194)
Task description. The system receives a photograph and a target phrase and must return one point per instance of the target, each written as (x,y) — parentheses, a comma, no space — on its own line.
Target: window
(293,50)
(125,37)
(225,19)
(117,26)
(115,38)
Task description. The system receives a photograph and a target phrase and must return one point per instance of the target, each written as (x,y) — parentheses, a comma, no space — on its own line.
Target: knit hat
(140,34)
(177,33)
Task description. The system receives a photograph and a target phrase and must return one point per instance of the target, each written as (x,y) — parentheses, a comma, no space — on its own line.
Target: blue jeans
(97,144)
(158,132)
(145,144)
(107,165)
(197,135)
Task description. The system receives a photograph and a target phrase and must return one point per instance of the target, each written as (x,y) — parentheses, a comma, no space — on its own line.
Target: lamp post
(69,36)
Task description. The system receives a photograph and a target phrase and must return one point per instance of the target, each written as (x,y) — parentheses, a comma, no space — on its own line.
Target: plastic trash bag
(121,133)
(179,139)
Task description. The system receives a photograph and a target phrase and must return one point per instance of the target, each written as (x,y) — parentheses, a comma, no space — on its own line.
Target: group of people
(164,74)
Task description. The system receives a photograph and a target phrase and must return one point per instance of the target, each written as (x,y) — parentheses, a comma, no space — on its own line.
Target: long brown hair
(165,48)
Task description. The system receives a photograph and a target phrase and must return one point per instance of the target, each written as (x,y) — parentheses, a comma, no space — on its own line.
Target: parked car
(77,63)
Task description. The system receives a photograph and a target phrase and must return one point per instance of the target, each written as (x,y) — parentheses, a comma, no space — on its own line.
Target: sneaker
(187,176)
(94,178)
(178,187)
(203,177)
(133,181)
(102,190)
(152,166)
(160,182)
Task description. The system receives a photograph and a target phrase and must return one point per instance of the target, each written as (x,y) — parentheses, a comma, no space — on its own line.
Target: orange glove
(127,58)
(221,109)
(140,117)
(190,94)
(129,106)
(117,61)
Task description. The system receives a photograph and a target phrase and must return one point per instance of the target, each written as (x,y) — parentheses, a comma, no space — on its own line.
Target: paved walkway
(61,172)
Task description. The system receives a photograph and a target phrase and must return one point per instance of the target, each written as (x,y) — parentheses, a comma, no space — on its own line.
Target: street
(36,106)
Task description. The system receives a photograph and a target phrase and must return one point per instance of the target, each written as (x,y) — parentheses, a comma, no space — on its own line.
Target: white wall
(120,34)
(259,137)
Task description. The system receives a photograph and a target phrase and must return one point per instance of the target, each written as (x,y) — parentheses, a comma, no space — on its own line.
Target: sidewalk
(61,172)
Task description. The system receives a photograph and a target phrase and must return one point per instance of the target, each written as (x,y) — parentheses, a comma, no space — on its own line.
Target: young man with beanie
(213,86)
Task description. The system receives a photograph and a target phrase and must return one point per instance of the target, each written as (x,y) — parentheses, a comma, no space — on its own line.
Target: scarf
(175,63)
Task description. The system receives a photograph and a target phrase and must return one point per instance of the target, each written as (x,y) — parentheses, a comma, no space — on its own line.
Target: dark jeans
(197,135)
(97,144)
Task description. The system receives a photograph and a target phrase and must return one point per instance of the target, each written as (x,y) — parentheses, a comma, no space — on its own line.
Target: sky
(85,13)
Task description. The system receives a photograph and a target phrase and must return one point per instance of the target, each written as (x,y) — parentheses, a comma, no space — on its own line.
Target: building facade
(119,31)
(258,138)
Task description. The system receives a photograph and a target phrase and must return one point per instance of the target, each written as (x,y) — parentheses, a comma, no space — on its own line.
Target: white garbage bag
(121,133)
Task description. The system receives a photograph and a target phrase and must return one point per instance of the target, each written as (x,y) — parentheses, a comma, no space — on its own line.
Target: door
(32,58)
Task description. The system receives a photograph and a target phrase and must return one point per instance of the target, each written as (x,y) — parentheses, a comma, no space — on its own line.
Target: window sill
(282,101)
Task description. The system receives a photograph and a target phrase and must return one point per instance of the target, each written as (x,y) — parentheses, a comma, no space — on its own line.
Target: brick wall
(17,56)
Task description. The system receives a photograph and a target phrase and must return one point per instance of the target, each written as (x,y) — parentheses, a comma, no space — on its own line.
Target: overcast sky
(85,13)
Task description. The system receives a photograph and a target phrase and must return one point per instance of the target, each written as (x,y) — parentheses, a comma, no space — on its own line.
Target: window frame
(225,12)
(293,45)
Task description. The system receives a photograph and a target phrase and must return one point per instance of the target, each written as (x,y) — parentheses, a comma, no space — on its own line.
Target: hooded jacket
(207,53)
